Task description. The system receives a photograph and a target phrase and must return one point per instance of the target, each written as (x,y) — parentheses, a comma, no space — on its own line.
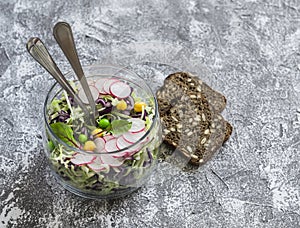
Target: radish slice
(108,83)
(82,96)
(110,160)
(137,125)
(99,85)
(120,90)
(121,154)
(111,145)
(100,144)
(82,159)
(133,137)
(97,165)
(122,143)
(108,137)
(124,154)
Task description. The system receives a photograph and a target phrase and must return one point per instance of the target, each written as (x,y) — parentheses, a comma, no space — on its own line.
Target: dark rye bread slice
(190,116)
(196,88)
(195,136)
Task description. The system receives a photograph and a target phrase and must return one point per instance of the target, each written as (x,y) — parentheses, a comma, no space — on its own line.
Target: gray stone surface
(250,48)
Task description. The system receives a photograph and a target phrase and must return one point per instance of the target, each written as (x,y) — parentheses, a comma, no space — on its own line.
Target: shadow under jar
(116,156)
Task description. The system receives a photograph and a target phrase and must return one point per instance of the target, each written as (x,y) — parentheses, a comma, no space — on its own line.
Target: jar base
(115,195)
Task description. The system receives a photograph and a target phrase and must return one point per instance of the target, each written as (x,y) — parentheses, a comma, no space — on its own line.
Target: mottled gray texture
(252,51)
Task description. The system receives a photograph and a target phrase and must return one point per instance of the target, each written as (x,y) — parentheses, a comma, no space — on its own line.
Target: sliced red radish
(100,144)
(108,137)
(110,160)
(133,137)
(108,83)
(99,85)
(122,154)
(82,96)
(120,90)
(82,159)
(127,153)
(122,143)
(111,145)
(137,125)
(97,165)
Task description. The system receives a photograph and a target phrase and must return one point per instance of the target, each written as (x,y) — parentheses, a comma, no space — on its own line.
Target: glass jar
(105,174)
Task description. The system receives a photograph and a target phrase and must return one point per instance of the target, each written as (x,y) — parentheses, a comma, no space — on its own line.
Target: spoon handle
(64,37)
(39,52)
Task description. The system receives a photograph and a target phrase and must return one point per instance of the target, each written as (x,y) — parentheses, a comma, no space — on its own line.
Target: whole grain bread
(190,115)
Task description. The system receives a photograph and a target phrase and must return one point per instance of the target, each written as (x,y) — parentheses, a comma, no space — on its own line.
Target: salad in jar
(115,154)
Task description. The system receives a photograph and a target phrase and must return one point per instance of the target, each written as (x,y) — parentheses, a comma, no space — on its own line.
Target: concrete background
(251,52)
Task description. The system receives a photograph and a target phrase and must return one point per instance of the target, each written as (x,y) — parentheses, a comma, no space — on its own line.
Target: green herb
(51,145)
(148,122)
(135,97)
(54,106)
(115,101)
(107,97)
(120,126)
(64,132)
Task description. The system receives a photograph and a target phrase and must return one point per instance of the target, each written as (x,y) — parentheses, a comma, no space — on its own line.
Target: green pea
(82,138)
(51,145)
(103,123)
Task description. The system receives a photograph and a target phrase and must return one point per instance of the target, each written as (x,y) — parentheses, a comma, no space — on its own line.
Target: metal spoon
(64,37)
(39,52)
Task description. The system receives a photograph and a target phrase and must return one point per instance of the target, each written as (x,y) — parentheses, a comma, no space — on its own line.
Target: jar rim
(155,117)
